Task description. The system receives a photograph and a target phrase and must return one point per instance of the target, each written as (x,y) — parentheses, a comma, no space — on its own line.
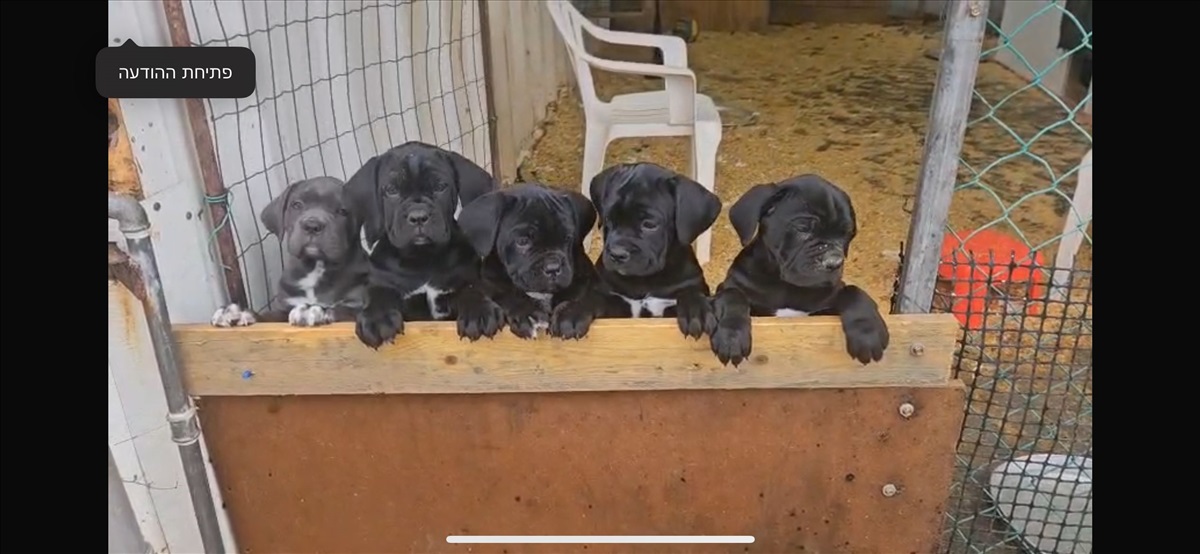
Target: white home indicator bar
(600,539)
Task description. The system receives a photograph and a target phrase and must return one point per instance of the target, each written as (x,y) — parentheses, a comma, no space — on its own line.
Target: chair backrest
(567,20)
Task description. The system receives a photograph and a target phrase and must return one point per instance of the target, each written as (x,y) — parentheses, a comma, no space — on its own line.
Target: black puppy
(649,217)
(530,237)
(422,267)
(324,270)
(793,267)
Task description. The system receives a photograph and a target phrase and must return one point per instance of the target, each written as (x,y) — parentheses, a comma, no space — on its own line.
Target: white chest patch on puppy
(788,312)
(656,306)
(362,239)
(431,296)
(543,299)
(308,284)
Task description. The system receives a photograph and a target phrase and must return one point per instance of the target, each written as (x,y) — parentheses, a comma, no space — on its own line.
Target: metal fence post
(954,88)
(185,425)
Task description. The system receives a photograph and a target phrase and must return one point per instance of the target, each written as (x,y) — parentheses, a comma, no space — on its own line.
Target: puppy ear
(602,184)
(696,208)
(473,181)
(585,213)
(480,221)
(853,220)
(272,215)
(361,196)
(748,210)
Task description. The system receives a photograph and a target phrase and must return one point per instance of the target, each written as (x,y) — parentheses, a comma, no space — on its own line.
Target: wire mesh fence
(1016,271)
(337,82)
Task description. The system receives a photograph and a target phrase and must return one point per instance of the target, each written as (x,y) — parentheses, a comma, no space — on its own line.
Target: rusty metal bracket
(122,270)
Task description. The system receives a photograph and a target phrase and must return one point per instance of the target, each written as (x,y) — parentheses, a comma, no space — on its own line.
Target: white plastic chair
(678,110)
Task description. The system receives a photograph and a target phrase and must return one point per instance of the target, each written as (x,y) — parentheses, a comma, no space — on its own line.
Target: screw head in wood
(890,490)
(917,349)
(907,410)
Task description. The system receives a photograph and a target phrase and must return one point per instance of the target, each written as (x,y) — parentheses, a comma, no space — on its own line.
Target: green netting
(1027,363)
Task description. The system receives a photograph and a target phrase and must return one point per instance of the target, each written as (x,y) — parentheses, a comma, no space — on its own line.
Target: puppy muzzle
(809,269)
(312,236)
(548,274)
(417,224)
(626,258)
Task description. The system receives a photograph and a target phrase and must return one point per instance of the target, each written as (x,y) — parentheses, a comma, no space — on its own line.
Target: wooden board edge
(258,360)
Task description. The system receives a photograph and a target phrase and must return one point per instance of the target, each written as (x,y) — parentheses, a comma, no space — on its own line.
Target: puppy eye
(343,212)
(523,242)
(649,225)
(391,190)
(297,205)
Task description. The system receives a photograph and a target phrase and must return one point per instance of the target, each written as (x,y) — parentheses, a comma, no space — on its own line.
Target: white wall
(1037,42)
(407,81)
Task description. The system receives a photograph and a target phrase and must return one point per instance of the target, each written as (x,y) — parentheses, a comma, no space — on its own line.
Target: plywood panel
(641,354)
(528,67)
(801,470)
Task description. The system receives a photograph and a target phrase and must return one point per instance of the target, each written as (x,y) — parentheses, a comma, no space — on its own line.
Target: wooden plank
(458,82)
(801,470)
(522,72)
(628,354)
(501,88)
(421,66)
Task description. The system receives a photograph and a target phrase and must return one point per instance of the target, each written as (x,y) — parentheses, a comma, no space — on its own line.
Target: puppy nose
(832,261)
(552,269)
(417,217)
(313,225)
(619,254)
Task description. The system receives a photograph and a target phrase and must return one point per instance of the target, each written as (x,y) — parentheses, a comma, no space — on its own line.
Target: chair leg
(594,146)
(704,163)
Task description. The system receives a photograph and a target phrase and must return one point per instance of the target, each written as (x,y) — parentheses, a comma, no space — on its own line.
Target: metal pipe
(185,427)
(489,94)
(124,533)
(217,196)
(961,43)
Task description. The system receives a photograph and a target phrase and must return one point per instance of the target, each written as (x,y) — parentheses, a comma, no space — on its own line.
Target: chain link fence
(1015,269)
(337,83)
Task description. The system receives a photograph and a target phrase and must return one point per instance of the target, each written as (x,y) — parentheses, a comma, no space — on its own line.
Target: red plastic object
(1005,257)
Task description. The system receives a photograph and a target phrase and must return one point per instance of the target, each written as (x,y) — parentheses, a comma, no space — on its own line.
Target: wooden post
(485,37)
(210,171)
(961,43)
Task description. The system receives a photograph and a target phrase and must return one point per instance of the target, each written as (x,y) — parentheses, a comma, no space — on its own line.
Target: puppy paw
(479,319)
(232,316)
(525,319)
(527,327)
(310,315)
(731,341)
(695,318)
(571,320)
(866,338)
(375,327)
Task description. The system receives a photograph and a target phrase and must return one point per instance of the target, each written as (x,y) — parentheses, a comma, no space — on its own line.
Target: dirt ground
(849,102)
